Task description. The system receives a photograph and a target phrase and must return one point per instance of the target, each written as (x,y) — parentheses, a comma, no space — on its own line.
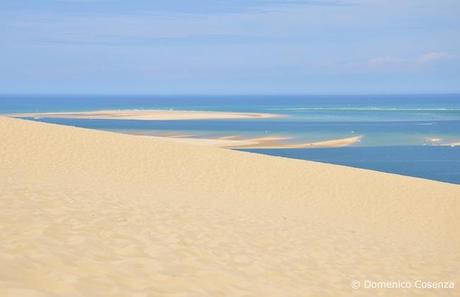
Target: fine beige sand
(151,114)
(92,213)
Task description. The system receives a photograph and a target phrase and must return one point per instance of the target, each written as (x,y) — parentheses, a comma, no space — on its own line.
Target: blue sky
(229,47)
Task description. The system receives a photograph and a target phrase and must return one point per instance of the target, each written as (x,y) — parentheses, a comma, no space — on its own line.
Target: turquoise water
(398,130)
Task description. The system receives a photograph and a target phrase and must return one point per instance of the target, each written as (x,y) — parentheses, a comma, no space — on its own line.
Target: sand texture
(151,114)
(92,213)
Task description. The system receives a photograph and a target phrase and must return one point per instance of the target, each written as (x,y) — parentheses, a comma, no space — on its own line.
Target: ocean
(412,135)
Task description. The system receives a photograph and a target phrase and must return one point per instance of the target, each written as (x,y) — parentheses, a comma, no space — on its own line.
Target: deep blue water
(398,130)
(432,162)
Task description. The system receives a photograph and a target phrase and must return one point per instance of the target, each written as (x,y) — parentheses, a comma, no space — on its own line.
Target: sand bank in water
(441,142)
(92,213)
(267,142)
(151,114)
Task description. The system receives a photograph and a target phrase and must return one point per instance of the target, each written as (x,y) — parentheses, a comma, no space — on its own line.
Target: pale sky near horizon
(229,47)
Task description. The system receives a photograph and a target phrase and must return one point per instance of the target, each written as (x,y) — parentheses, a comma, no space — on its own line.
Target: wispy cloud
(432,57)
(386,62)
(155,26)
(168,6)
(236,44)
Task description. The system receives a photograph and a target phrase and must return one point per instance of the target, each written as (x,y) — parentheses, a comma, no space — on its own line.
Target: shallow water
(401,133)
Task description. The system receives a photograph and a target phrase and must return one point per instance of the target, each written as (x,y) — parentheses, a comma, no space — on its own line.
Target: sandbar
(151,115)
(265,142)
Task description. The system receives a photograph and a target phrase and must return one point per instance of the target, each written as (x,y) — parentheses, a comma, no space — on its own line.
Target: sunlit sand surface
(92,213)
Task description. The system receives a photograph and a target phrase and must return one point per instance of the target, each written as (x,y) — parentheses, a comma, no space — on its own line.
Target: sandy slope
(90,213)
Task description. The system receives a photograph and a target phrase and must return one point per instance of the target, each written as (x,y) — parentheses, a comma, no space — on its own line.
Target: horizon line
(231,94)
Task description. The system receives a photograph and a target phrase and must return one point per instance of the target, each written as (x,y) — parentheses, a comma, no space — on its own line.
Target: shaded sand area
(266,142)
(93,213)
(151,114)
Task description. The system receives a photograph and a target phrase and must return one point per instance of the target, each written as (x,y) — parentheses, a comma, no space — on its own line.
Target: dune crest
(93,213)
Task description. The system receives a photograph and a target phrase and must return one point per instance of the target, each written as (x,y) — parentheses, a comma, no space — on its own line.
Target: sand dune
(92,213)
(150,114)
